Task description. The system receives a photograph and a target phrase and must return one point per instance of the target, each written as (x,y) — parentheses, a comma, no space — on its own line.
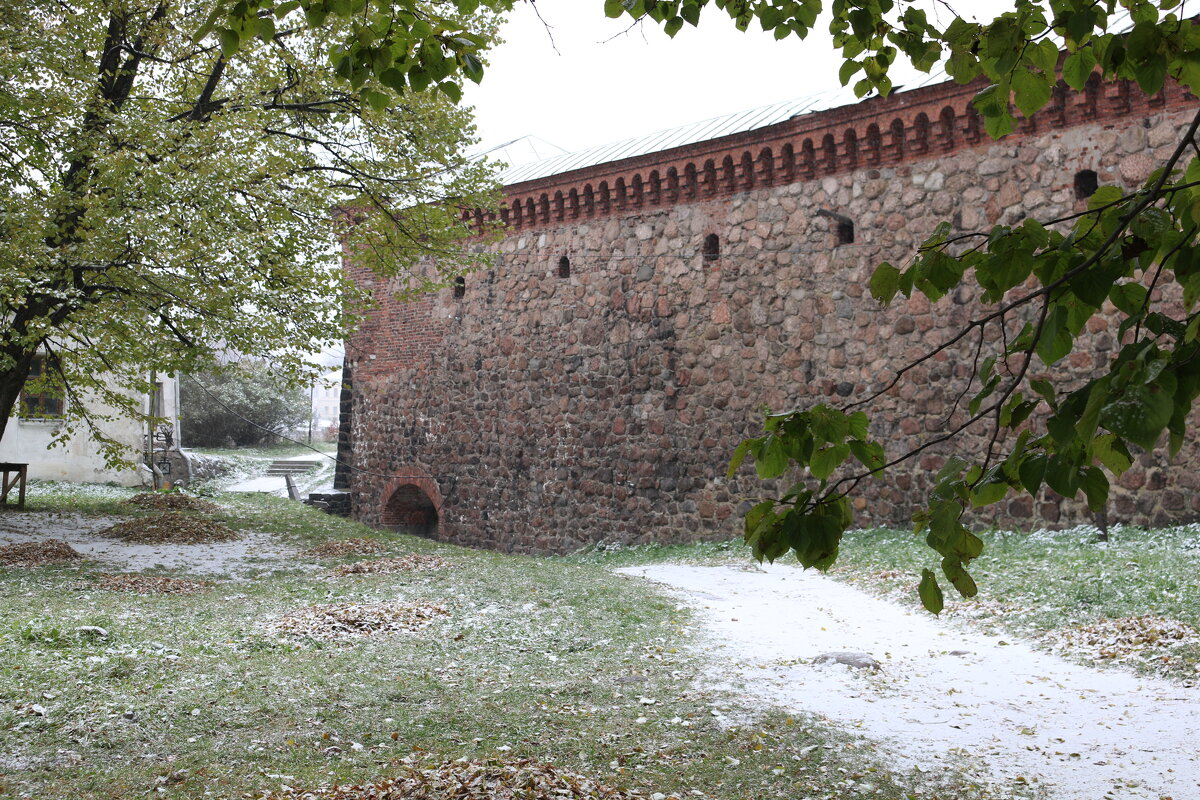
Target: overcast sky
(602,80)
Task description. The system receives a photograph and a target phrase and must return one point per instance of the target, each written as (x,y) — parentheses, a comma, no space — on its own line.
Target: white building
(39,418)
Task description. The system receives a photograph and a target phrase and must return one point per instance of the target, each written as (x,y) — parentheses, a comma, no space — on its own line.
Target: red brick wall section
(409,500)
(543,413)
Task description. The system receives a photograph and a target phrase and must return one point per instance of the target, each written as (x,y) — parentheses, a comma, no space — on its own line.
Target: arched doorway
(411,510)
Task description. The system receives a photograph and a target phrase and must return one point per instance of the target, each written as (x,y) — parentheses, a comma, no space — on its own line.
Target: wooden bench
(13,475)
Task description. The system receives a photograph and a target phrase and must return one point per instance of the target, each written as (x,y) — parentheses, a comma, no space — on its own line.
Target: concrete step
(292,467)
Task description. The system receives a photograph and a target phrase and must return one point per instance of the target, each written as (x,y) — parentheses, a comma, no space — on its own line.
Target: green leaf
(451,90)
(771,460)
(230,41)
(1031,90)
(739,456)
(1078,68)
(885,282)
(826,460)
(869,454)
(1062,476)
(989,493)
(673,26)
(1112,453)
(1129,297)
(959,577)
(930,593)
(1104,196)
(265,27)
(376,100)
(1095,487)
(1031,472)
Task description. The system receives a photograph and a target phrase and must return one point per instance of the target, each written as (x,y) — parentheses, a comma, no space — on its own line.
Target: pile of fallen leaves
(346,547)
(151,584)
(384,566)
(350,620)
(170,527)
(473,780)
(1125,638)
(172,501)
(33,554)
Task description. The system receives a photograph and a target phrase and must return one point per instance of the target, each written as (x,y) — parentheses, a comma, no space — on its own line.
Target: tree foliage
(241,405)
(171,173)
(1040,281)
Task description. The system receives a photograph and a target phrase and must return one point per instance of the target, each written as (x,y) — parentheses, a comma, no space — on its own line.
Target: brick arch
(637,190)
(921,134)
(620,195)
(515,216)
(787,162)
(654,187)
(412,504)
(896,145)
(728,178)
(808,159)
(747,171)
(544,208)
(691,182)
(766,167)
(710,178)
(589,200)
(850,147)
(947,121)
(573,202)
(603,198)
(559,206)
(672,184)
(530,214)
(828,153)
(874,145)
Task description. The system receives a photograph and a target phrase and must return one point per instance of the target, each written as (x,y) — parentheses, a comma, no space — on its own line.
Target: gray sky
(603,80)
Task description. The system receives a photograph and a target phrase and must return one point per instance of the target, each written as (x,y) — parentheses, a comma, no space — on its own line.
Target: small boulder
(850,659)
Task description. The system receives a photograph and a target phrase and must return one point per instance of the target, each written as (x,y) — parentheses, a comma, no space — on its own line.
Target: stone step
(292,467)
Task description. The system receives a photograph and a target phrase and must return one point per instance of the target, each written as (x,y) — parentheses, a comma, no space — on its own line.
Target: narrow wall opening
(410,510)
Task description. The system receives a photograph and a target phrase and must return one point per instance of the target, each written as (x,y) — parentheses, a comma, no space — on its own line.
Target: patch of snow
(1023,716)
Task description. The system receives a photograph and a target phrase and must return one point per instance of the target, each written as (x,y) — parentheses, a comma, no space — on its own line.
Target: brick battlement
(880,132)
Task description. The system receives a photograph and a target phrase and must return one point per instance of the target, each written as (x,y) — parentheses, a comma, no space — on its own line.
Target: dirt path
(1022,717)
(252,554)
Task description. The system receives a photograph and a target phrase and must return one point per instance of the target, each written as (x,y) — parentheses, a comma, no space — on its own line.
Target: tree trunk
(12,382)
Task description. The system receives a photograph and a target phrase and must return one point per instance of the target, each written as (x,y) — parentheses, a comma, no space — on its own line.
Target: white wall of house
(79,460)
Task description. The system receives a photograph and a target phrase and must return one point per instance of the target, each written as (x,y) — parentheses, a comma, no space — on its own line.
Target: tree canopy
(241,405)
(172,173)
(1041,281)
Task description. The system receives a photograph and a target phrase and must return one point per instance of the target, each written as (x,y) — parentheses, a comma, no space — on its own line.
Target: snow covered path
(1018,714)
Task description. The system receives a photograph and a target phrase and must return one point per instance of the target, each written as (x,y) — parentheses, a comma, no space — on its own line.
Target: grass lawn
(557,660)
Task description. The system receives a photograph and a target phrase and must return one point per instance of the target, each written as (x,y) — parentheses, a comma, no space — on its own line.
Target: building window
(564,267)
(44,403)
(712,248)
(460,287)
(1086,183)
(845,231)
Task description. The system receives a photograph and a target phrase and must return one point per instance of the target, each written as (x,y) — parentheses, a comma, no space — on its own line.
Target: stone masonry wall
(592,386)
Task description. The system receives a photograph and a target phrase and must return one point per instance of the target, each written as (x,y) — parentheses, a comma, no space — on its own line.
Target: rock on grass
(170,527)
(34,554)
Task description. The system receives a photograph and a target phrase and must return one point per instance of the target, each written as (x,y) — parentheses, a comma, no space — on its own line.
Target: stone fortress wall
(593,384)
